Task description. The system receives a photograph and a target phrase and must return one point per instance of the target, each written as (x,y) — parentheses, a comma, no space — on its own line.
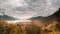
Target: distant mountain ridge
(6,17)
(38,17)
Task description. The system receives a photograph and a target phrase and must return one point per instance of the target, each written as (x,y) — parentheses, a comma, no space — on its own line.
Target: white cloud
(16,3)
(28,8)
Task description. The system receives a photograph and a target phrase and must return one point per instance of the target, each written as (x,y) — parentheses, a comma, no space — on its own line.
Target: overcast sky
(28,8)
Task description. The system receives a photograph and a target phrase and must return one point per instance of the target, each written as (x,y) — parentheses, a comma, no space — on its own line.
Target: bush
(33,29)
(6,28)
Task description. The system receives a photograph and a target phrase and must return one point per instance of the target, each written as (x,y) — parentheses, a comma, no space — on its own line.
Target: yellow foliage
(55,32)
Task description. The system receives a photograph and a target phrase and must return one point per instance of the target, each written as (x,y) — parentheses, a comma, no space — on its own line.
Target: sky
(24,9)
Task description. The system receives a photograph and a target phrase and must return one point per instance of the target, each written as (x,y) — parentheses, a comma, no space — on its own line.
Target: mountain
(48,19)
(37,18)
(56,15)
(6,17)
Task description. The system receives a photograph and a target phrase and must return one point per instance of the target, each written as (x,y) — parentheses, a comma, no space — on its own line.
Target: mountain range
(6,17)
(37,18)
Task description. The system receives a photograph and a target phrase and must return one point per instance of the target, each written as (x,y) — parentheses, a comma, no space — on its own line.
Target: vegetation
(6,28)
(33,29)
(52,27)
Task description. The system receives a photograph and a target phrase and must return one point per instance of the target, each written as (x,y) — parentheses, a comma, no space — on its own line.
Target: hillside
(6,17)
(37,18)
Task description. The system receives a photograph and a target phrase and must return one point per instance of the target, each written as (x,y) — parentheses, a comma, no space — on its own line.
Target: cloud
(28,8)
